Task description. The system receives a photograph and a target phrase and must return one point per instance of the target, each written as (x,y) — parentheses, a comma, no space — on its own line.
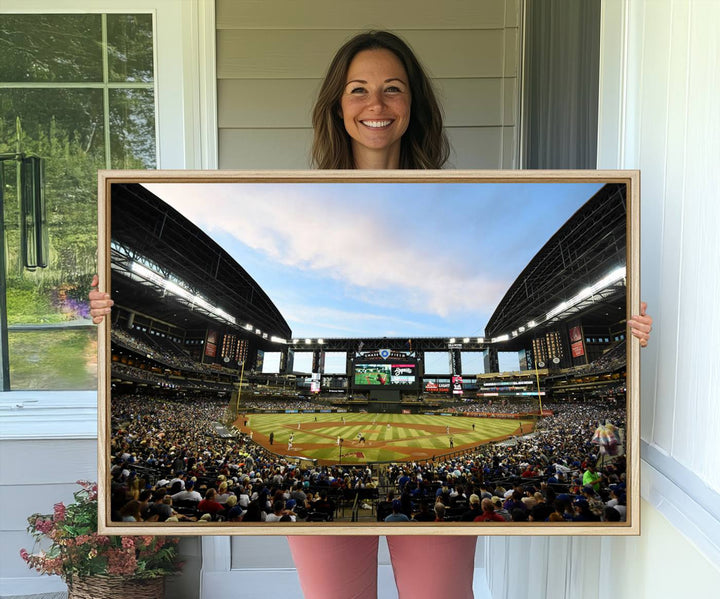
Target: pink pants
(333,567)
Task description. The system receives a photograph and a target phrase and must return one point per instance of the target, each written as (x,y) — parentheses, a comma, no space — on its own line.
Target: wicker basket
(116,587)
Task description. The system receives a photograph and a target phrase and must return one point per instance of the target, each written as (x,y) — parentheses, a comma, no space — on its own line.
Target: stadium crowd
(499,406)
(272,404)
(168,464)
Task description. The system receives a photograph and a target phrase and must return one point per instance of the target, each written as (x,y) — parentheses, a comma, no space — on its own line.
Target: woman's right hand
(100,302)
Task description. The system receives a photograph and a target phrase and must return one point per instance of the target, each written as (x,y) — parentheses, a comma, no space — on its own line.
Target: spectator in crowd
(397,514)
(189,494)
(424,514)
(488,513)
(210,505)
(130,512)
(471,514)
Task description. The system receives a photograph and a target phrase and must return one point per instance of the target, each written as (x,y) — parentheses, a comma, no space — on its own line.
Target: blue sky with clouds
(380,259)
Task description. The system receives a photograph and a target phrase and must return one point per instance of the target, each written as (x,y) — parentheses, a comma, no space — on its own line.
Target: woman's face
(375,106)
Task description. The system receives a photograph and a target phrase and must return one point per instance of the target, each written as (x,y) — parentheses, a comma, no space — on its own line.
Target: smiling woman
(375,108)
(387,78)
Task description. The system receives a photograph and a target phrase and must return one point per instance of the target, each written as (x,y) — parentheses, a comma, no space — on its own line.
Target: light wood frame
(629,177)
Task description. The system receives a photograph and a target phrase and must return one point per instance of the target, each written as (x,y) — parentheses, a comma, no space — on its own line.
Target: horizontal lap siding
(271,60)
(351,14)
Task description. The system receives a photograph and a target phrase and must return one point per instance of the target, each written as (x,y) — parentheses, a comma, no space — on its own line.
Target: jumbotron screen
(385,374)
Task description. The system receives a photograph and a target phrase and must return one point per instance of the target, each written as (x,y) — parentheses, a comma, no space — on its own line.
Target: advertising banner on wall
(576,342)
(315,383)
(457,385)
(211,344)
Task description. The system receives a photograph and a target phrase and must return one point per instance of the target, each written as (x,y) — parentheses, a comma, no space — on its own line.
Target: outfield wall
(406,409)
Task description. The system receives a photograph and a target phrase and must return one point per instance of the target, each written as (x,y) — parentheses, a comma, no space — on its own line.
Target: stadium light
(249,327)
(175,289)
(275,339)
(452,340)
(295,341)
(481,339)
(308,341)
(466,340)
(610,279)
(500,338)
(531,324)
(321,341)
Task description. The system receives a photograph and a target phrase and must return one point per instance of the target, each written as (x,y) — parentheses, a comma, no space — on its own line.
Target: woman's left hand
(641,325)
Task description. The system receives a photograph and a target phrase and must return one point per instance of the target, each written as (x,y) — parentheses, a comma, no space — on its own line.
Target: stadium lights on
(615,276)
(321,341)
(295,341)
(275,339)
(466,340)
(176,289)
(249,327)
(500,338)
(308,341)
(452,340)
(481,339)
(531,324)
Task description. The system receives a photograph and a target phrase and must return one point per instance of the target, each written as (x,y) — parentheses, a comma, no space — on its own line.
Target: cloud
(317,321)
(359,242)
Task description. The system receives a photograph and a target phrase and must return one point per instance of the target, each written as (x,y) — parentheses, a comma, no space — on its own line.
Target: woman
(377,110)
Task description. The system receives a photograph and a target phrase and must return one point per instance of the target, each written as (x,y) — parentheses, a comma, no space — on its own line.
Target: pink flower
(59,512)
(121,562)
(24,555)
(43,526)
(53,565)
(128,543)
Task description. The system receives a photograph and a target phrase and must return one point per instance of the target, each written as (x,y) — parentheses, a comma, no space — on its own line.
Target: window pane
(132,128)
(50,48)
(56,359)
(54,121)
(65,128)
(130,48)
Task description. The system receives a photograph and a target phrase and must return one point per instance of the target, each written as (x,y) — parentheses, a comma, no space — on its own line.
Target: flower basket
(116,587)
(95,566)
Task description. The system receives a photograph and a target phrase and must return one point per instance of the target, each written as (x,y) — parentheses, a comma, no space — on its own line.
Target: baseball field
(367,437)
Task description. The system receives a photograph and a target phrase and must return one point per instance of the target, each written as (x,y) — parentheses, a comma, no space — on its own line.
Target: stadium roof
(153,243)
(589,246)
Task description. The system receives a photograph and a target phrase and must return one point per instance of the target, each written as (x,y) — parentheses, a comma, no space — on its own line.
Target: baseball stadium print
(369,352)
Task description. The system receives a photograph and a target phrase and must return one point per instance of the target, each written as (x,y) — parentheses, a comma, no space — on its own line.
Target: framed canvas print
(365,352)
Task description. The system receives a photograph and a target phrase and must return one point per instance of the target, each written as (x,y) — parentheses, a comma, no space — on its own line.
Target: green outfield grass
(408,436)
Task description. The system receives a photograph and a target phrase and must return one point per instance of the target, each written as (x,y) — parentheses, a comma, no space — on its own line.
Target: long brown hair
(424,144)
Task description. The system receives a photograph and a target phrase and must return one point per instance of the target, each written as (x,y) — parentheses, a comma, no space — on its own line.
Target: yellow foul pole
(537,377)
(242,371)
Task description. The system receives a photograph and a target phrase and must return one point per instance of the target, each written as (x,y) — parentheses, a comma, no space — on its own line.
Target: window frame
(186,138)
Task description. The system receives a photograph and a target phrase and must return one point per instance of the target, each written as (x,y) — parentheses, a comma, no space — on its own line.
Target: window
(77,90)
